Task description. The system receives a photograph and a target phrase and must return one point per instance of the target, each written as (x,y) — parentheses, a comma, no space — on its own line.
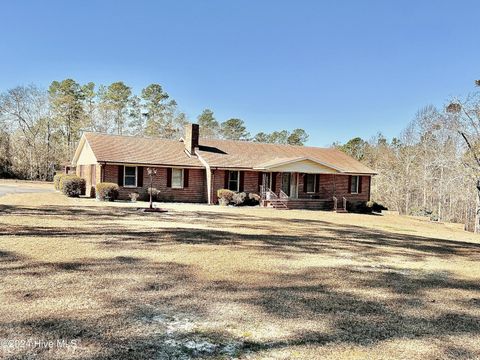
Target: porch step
(305,204)
(278,204)
(341,211)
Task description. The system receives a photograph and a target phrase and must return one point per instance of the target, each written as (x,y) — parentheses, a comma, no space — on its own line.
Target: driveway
(19,188)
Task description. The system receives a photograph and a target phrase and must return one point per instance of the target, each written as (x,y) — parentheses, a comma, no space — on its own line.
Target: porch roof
(258,156)
(298,164)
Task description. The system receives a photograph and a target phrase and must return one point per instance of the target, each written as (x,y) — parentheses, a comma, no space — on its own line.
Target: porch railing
(268,195)
(335,203)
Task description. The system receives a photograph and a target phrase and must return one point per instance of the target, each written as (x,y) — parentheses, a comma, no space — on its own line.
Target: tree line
(432,168)
(40,128)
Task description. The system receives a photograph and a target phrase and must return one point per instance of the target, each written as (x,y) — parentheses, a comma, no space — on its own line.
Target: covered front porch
(300,183)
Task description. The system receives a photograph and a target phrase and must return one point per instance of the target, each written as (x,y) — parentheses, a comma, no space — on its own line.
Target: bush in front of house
(225,196)
(133,196)
(238,199)
(246,199)
(253,199)
(154,192)
(376,207)
(145,194)
(107,191)
(65,178)
(56,181)
(72,185)
(366,207)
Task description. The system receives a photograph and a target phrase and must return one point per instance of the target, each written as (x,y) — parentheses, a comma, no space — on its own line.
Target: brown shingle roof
(244,154)
(217,153)
(139,150)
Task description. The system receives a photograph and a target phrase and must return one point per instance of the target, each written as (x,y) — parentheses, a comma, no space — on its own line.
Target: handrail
(268,194)
(283,195)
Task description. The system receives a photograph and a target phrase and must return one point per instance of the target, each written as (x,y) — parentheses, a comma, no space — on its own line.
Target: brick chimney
(191,138)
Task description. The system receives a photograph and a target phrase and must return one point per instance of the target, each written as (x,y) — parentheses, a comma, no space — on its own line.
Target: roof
(217,153)
(293,160)
(245,154)
(138,150)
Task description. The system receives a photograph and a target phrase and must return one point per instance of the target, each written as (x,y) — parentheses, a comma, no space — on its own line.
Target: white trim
(78,151)
(136,176)
(290,161)
(107,162)
(209,177)
(181,180)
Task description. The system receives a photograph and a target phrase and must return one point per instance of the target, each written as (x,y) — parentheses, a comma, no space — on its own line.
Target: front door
(267,180)
(290,184)
(286,181)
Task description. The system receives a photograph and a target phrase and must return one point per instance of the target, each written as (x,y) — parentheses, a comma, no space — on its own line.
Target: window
(177,178)
(354,184)
(310,183)
(130,176)
(233,180)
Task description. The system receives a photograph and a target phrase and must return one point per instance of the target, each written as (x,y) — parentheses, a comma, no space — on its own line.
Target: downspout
(209,176)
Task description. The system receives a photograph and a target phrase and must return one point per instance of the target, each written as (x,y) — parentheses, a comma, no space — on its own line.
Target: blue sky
(338,69)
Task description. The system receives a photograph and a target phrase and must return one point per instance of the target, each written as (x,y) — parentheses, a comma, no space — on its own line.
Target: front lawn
(213,282)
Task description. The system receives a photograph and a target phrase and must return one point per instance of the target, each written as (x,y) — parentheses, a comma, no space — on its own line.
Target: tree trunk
(477,210)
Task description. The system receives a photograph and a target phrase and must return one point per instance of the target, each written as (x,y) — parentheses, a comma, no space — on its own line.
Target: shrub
(66,178)
(239,199)
(72,185)
(107,191)
(225,196)
(133,196)
(376,207)
(56,181)
(145,194)
(365,207)
(155,194)
(165,198)
(253,199)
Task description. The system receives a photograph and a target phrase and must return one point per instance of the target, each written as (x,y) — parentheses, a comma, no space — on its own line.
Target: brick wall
(250,182)
(337,185)
(197,189)
(196,192)
(91,174)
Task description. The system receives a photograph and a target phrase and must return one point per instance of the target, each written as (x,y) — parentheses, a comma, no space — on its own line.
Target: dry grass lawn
(218,283)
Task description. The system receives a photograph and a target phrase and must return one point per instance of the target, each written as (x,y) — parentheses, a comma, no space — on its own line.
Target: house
(193,169)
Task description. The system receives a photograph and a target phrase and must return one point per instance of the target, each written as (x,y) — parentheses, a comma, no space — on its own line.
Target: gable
(86,155)
(303,166)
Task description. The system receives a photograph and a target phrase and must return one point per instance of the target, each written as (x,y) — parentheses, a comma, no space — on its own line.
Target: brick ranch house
(193,169)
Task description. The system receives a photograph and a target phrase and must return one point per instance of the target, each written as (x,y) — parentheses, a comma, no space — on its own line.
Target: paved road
(17,189)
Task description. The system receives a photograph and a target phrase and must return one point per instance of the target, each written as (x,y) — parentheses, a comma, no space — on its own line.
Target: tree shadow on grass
(317,294)
(358,306)
(311,236)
